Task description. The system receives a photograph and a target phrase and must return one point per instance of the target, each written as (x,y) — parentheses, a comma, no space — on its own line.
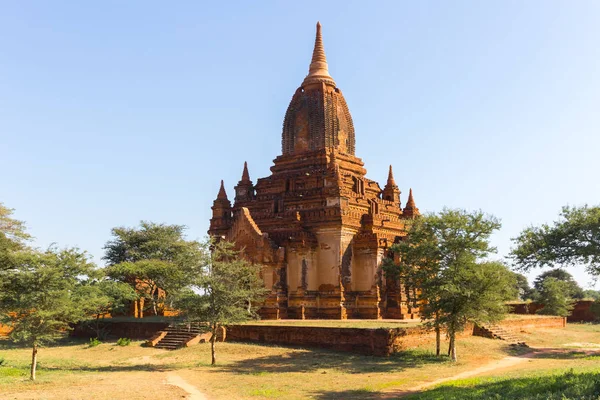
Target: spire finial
(245,174)
(390,180)
(411,210)
(222,194)
(318,70)
(411,201)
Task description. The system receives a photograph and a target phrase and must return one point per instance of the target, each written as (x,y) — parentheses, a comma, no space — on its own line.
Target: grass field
(246,371)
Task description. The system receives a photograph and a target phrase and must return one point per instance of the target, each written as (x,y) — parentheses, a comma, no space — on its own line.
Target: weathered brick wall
(378,342)
(533,323)
(356,340)
(581,311)
(121,329)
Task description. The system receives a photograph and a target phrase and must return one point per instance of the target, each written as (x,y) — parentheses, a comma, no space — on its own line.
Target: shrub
(2,361)
(123,342)
(94,342)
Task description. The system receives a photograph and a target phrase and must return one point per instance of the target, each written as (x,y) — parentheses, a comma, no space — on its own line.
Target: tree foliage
(554,294)
(444,256)
(524,291)
(224,289)
(154,260)
(105,297)
(41,294)
(572,288)
(573,239)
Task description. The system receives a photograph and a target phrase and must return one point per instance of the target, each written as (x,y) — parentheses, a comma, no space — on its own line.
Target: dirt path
(193,392)
(505,362)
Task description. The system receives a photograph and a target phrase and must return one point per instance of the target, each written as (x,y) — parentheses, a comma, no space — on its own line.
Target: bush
(123,342)
(2,361)
(94,342)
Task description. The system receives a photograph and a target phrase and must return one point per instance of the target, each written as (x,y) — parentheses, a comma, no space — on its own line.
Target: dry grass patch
(252,371)
(349,323)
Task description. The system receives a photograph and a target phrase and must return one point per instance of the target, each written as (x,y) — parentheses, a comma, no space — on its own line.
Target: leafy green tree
(41,294)
(225,289)
(10,228)
(104,297)
(525,292)
(573,289)
(13,236)
(591,294)
(443,256)
(153,259)
(554,295)
(573,239)
(473,292)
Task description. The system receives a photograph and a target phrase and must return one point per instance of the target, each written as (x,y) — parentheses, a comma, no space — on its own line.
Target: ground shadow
(7,344)
(110,368)
(307,360)
(566,354)
(358,394)
(568,385)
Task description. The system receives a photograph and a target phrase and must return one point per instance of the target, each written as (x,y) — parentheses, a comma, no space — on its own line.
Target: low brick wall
(581,310)
(356,340)
(533,323)
(377,342)
(121,329)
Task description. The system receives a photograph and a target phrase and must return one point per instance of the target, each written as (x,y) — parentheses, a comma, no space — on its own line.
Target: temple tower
(317,223)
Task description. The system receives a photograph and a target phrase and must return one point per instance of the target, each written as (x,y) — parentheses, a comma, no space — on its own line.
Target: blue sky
(114,112)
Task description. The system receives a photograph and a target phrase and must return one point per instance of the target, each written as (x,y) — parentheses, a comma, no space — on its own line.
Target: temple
(317,224)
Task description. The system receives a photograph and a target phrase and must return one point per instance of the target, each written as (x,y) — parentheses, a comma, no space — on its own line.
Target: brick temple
(318,225)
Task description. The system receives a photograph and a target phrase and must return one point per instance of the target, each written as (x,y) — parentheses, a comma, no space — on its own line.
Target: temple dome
(318,116)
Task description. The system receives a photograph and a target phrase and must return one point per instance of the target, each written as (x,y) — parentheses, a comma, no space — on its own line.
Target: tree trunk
(154,301)
(141,307)
(213,339)
(438,340)
(33,362)
(453,346)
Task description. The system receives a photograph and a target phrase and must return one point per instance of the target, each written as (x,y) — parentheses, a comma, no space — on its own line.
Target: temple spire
(222,194)
(245,174)
(390,191)
(411,210)
(390,180)
(318,70)
(244,190)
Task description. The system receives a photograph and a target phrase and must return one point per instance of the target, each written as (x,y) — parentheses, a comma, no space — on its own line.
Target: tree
(153,260)
(591,294)
(104,297)
(12,235)
(10,228)
(525,292)
(554,295)
(573,239)
(572,288)
(225,289)
(443,256)
(41,293)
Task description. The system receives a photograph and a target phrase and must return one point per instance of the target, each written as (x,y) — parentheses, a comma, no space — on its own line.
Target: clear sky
(114,112)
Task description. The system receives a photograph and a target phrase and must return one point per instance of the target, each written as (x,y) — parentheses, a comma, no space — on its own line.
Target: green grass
(555,386)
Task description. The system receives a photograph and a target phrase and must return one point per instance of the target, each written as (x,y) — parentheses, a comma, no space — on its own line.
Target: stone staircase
(180,335)
(494,331)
